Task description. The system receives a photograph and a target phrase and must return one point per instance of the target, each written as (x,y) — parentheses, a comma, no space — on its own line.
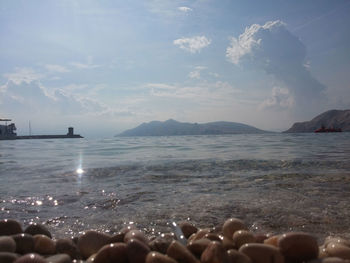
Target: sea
(274,182)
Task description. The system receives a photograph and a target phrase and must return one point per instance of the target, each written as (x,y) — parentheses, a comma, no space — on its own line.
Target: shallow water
(274,182)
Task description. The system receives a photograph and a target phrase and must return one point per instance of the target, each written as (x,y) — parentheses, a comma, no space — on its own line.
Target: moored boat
(324,129)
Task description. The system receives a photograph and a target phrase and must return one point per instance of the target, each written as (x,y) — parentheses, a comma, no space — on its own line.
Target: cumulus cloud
(193,44)
(273,48)
(184,9)
(280,99)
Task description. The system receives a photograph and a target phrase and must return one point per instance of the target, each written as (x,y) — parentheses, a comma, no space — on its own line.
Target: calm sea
(274,182)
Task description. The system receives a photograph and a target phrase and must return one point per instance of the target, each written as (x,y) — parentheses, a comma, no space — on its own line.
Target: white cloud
(56,68)
(193,44)
(196,73)
(23,75)
(88,65)
(280,99)
(184,9)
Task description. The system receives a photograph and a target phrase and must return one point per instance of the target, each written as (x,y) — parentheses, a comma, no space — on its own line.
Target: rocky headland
(338,119)
(172,128)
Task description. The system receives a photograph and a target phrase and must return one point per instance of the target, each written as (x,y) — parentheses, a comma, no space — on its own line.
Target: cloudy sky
(105,66)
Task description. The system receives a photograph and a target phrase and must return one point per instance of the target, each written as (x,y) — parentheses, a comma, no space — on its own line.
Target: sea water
(274,182)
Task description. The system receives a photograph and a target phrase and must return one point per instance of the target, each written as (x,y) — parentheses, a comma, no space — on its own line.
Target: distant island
(172,128)
(338,119)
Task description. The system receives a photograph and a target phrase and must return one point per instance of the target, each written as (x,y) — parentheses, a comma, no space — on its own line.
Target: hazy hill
(172,127)
(328,119)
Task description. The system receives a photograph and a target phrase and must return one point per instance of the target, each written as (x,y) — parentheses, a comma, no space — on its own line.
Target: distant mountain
(172,127)
(328,119)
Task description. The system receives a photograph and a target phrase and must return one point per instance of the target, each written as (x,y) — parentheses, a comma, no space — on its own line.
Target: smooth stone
(329,260)
(37,229)
(7,244)
(161,243)
(242,237)
(188,229)
(135,234)
(116,238)
(59,258)
(112,253)
(232,225)
(91,259)
(90,242)
(44,245)
(137,251)
(198,246)
(338,250)
(10,227)
(233,256)
(228,243)
(262,253)
(78,261)
(260,238)
(24,243)
(322,253)
(200,234)
(331,239)
(156,257)
(214,253)
(31,258)
(8,257)
(180,253)
(273,240)
(298,246)
(213,237)
(68,247)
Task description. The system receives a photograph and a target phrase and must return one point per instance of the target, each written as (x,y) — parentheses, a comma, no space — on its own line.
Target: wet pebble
(156,257)
(24,243)
(31,258)
(68,247)
(135,234)
(112,253)
(8,257)
(242,237)
(90,242)
(273,240)
(214,253)
(10,227)
(198,246)
(233,256)
(228,243)
(262,253)
(180,253)
(188,229)
(161,243)
(329,260)
(232,225)
(137,251)
(198,235)
(37,229)
(7,244)
(338,250)
(59,258)
(298,246)
(44,245)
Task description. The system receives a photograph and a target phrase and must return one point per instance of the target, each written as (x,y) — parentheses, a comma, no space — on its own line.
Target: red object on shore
(323,129)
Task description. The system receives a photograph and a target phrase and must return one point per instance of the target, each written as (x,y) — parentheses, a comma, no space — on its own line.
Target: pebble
(338,250)
(135,234)
(161,243)
(273,240)
(24,243)
(228,243)
(262,253)
(214,253)
(31,258)
(37,229)
(213,237)
(198,235)
(59,258)
(233,256)
(44,245)
(90,242)
(298,246)
(339,240)
(68,247)
(8,257)
(198,246)
(242,237)
(112,253)
(180,253)
(10,227)
(7,244)
(188,229)
(232,225)
(156,257)
(137,251)
(329,260)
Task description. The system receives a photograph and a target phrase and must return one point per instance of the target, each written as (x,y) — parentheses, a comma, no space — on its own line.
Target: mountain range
(172,127)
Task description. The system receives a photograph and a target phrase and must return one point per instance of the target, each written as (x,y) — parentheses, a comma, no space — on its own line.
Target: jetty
(7,132)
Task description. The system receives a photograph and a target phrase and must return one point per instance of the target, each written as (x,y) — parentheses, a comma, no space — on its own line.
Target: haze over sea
(274,182)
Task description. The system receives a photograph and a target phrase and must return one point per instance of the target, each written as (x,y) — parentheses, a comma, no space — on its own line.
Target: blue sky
(105,66)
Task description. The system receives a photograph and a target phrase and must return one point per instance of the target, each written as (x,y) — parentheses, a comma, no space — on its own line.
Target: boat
(324,129)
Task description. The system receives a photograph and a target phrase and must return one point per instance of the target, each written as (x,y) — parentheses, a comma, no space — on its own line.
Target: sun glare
(79,171)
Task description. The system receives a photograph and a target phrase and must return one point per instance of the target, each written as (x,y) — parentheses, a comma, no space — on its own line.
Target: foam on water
(274,182)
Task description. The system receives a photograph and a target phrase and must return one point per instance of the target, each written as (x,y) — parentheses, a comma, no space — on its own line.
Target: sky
(106,66)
